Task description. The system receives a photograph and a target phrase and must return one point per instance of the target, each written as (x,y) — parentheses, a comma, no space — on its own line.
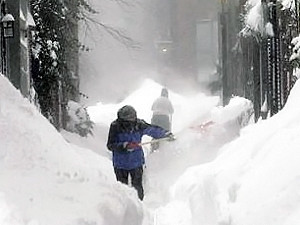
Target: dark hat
(127,113)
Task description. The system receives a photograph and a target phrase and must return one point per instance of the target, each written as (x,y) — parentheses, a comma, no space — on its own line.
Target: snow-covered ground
(214,178)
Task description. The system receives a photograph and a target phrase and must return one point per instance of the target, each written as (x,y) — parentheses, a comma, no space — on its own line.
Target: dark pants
(136,179)
(162,121)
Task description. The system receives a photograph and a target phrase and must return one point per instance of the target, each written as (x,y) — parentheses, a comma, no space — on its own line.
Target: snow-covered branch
(296,48)
(256,19)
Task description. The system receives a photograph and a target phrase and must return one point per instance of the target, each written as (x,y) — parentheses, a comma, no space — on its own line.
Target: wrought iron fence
(257,66)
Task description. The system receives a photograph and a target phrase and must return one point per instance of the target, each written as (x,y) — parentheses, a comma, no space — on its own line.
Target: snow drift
(254,180)
(47,181)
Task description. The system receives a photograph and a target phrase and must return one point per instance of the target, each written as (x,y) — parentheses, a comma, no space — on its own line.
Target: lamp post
(7,31)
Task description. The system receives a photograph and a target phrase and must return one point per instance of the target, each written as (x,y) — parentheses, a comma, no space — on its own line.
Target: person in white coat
(162,109)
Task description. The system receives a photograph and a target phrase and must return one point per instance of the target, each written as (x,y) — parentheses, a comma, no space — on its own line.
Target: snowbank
(255,179)
(47,181)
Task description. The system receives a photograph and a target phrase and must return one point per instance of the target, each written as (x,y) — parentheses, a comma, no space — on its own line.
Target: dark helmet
(127,113)
(164,92)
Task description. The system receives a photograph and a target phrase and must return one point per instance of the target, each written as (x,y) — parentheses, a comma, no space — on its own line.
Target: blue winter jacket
(127,131)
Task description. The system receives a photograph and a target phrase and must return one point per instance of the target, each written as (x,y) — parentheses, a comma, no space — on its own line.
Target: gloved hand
(130,146)
(170,136)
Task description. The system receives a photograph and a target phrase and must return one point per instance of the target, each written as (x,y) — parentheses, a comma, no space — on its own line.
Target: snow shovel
(203,127)
(157,140)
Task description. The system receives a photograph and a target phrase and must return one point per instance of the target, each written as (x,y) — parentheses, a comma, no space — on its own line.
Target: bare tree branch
(115,33)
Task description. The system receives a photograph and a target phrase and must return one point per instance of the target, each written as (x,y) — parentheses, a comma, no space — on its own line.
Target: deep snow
(222,176)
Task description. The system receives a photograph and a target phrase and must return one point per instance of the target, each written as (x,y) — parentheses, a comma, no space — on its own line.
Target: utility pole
(224,51)
(263,65)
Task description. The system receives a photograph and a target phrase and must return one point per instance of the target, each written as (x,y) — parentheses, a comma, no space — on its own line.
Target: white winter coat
(162,106)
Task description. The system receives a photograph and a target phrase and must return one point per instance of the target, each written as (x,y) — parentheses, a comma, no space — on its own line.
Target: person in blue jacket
(124,138)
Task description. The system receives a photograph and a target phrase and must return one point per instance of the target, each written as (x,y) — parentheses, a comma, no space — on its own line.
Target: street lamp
(7,23)
(164,51)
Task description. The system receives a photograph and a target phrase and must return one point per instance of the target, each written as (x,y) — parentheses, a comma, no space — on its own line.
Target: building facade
(186,38)
(17,48)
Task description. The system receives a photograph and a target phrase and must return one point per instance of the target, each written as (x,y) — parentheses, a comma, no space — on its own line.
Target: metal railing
(257,66)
